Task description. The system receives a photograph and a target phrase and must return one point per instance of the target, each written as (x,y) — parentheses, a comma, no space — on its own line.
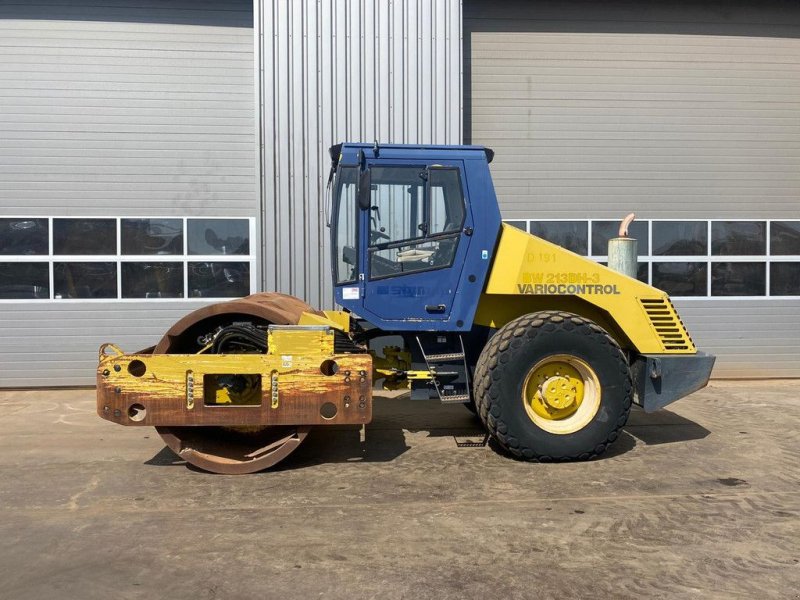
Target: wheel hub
(561,393)
(555,390)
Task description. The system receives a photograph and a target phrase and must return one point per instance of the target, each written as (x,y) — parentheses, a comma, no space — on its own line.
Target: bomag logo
(567,289)
(401,291)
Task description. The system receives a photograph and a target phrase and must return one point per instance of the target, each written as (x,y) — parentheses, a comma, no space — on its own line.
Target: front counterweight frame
(178,390)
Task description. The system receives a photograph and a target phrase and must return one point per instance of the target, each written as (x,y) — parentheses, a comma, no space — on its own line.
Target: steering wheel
(443,253)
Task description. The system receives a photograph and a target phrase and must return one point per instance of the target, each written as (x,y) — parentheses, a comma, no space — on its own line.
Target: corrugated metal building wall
(674,110)
(352,70)
(680,110)
(122,108)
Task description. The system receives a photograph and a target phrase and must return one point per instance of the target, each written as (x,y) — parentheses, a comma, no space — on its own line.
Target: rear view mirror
(364,191)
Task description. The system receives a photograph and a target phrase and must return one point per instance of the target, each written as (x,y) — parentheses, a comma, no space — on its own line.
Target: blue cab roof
(348,152)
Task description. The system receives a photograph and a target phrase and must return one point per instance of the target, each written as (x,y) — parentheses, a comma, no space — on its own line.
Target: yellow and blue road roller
(549,348)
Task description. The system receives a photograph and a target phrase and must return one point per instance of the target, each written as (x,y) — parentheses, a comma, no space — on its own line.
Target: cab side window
(447,201)
(397,209)
(416,217)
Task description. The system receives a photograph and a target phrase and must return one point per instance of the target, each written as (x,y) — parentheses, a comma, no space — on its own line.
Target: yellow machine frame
(530,274)
(288,385)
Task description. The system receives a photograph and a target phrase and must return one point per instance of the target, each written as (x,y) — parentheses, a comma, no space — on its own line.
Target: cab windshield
(345,225)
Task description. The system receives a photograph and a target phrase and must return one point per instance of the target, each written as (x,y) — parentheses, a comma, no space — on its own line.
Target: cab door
(418,232)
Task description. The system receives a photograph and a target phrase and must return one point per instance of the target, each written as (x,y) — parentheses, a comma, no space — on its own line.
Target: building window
(219,279)
(784,279)
(126,259)
(602,231)
(680,238)
(152,279)
(518,224)
(572,235)
(738,238)
(218,236)
(694,258)
(738,279)
(85,236)
(681,278)
(152,236)
(24,237)
(784,238)
(24,281)
(84,280)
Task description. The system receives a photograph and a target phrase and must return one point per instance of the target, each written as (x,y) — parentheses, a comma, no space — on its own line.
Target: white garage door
(687,114)
(127,175)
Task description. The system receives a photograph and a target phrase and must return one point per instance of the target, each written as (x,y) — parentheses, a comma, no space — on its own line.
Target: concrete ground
(698,501)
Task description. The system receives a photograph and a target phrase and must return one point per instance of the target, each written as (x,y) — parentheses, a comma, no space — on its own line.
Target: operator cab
(403,229)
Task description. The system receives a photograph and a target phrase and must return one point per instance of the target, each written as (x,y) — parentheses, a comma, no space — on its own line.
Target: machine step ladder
(450,374)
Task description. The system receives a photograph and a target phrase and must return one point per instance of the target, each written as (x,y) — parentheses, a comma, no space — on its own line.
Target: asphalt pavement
(701,500)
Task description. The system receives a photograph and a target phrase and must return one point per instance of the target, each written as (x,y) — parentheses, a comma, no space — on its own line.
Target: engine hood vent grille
(668,326)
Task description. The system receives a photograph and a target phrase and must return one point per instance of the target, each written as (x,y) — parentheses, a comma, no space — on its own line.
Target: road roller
(435,295)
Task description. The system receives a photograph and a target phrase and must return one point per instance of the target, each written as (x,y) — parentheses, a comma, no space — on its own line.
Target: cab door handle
(435,308)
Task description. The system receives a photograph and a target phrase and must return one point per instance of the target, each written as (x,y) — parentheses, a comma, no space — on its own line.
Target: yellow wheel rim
(561,394)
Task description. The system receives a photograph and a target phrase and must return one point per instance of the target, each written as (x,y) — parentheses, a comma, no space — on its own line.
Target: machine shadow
(663,427)
(384,439)
(165,458)
(650,429)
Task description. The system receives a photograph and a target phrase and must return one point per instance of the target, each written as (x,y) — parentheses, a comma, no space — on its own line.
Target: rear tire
(553,386)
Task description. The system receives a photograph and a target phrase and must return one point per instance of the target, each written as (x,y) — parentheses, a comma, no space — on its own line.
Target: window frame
(428,204)
(335,228)
(709,259)
(426,236)
(425,194)
(118,258)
